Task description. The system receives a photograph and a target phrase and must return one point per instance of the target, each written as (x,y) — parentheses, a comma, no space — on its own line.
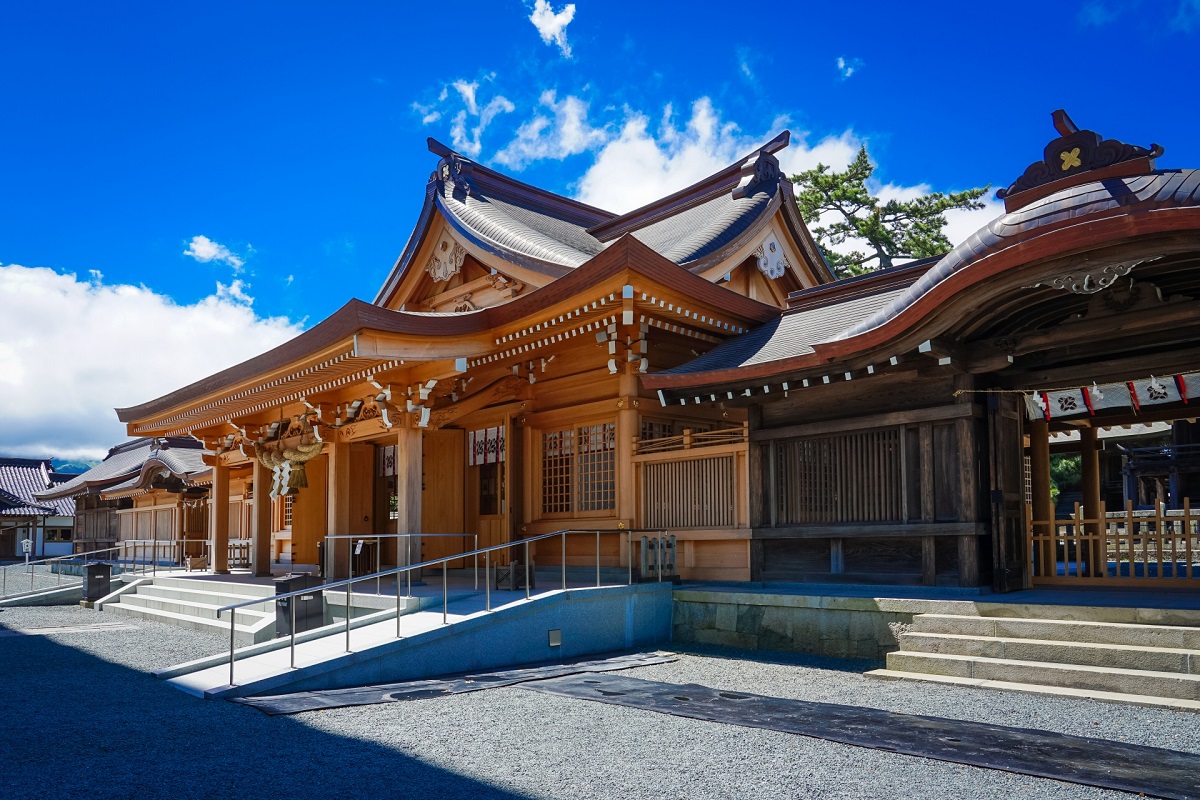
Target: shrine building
(693,368)
(492,386)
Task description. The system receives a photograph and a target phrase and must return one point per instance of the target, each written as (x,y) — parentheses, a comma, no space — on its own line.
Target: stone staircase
(1143,664)
(190,603)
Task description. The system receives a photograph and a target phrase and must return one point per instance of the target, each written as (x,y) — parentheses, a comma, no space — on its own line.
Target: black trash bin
(310,608)
(97,578)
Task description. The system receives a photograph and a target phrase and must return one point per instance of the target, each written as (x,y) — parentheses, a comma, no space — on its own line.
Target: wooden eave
(918,320)
(360,340)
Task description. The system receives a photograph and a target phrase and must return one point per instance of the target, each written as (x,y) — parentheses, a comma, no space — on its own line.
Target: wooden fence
(1147,548)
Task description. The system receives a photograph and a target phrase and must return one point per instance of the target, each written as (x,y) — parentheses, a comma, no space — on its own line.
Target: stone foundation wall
(841,627)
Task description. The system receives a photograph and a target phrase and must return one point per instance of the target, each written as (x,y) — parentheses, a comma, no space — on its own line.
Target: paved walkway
(84,718)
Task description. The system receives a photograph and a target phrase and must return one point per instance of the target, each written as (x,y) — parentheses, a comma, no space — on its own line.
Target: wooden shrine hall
(900,421)
(491,388)
(693,368)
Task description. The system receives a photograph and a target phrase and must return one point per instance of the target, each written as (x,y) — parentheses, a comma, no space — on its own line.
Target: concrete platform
(552,624)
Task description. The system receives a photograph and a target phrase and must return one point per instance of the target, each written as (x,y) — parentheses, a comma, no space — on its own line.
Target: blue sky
(155,150)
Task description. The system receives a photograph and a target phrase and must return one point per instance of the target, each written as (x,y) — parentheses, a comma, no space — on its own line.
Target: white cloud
(552,26)
(564,134)
(848,66)
(466,130)
(204,250)
(638,166)
(429,114)
(76,349)
(1187,16)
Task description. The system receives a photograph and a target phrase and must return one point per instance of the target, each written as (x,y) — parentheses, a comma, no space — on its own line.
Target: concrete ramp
(551,625)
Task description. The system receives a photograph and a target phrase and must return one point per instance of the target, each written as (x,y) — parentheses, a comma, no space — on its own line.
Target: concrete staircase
(189,603)
(1143,664)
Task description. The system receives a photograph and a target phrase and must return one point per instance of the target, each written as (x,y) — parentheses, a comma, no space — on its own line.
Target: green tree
(889,230)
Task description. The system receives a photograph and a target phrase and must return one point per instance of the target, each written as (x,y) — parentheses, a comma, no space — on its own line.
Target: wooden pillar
(337,509)
(626,433)
(1039,479)
(928,561)
(260,521)
(218,509)
(410,481)
(1096,552)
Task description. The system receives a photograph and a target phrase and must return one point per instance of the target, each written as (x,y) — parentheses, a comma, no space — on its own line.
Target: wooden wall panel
(309,513)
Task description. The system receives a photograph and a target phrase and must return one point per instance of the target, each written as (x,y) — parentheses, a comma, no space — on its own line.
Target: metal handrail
(232,608)
(31,564)
(408,537)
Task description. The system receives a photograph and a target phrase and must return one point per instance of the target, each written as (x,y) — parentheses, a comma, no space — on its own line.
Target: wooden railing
(1159,547)
(697,480)
(689,440)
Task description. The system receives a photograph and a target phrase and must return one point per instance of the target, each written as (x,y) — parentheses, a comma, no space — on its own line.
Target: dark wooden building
(899,421)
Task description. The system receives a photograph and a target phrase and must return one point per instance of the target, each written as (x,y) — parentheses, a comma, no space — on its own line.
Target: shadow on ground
(857,665)
(76,725)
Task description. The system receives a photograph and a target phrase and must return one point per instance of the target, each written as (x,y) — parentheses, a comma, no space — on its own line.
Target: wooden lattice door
(1010,553)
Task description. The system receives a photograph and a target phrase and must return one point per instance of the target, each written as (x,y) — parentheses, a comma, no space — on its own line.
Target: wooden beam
(1107,370)
(506,388)
(872,530)
(936,413)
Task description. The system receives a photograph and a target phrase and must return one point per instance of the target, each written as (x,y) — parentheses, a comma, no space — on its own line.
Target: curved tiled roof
(1142,194)
(125,462)
(1079,217)
(552,234)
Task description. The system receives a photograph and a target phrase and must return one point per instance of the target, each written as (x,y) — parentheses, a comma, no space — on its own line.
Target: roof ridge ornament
(454,169)
(1074,153)
(760,169)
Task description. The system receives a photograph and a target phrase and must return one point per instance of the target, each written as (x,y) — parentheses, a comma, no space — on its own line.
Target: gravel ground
(82,718)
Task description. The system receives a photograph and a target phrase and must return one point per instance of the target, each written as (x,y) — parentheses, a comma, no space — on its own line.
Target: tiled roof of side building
(125,461)
(21,479)
(12,505)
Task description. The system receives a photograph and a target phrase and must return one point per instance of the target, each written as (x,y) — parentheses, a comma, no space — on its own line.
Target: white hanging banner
(485,446)
(1087,400)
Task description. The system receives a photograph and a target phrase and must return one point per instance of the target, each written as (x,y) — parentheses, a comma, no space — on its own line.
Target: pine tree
(890,230)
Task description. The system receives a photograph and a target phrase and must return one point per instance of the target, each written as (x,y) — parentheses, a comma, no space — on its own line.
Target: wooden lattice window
(288,502)
(596,475)
(846,477)
(558,455)
(579,470)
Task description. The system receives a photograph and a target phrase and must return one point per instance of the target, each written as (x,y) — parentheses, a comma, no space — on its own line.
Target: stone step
(1119,656)
(205,596)
(248,615)
(243,634)
(1122,633)
(1033,688)
(231,587)
(1075,676)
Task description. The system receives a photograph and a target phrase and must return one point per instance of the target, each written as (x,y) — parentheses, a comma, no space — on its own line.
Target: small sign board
(27,546)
